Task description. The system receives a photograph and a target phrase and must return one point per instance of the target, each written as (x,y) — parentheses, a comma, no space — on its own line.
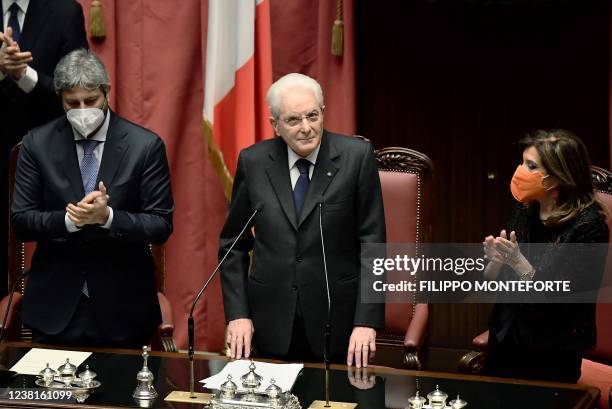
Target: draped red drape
(301,42)
(154,51)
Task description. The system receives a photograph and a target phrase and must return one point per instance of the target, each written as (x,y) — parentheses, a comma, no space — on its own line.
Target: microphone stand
(327,333)
(190,322)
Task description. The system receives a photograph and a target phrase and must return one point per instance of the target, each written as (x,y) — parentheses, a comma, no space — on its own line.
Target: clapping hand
(92,209)
(13,61)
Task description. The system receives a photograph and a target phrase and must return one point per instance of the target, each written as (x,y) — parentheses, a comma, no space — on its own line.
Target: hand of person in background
(13,61)
(239,335)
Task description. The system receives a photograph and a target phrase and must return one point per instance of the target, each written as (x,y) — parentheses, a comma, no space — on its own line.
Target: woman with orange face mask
(557,206)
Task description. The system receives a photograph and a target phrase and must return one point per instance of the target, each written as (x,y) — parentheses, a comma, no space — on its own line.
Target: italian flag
(238,74)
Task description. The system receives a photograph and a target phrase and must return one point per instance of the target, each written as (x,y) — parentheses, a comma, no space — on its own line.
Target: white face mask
(86,120)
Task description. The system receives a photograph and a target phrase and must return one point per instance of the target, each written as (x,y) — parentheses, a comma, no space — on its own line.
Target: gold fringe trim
(215,156)
(96,20)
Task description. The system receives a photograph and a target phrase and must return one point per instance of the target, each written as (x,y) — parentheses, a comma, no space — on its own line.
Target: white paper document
(36,359)
(284,374)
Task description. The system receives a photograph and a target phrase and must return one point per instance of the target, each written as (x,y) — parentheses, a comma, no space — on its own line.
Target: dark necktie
(89,165)
(13,21)
(301,186)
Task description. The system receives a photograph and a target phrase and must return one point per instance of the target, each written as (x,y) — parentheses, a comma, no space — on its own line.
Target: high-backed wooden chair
(405,176)
(597,363)
(19,255)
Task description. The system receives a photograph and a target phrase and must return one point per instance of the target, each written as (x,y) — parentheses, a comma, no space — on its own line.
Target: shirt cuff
(73,228)
(108,223)
(29,80)
(70,226)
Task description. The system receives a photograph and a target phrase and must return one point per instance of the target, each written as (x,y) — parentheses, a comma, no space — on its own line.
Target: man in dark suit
(293,180)
(93,190)
(34,35)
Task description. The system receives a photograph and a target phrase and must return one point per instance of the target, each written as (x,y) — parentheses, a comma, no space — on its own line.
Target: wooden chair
(19,255)
(405,177)
(597,363)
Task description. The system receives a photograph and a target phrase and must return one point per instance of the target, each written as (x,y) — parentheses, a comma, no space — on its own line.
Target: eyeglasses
(311,117)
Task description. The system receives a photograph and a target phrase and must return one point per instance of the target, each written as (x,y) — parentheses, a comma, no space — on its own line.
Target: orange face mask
(527,186)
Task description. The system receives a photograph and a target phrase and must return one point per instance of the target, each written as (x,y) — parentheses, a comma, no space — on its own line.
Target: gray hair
(292,80)
(80,68)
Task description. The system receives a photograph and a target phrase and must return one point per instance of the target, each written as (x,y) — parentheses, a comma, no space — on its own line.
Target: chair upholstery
(19,261)
(597,363)
(405,177)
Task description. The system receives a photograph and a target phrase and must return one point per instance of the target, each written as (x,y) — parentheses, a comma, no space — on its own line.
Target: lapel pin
(329,173)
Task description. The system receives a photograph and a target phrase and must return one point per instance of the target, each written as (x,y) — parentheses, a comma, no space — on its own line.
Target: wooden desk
(388,388)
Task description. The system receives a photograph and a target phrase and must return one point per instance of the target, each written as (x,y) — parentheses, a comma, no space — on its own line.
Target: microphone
(190,323)
(327,333)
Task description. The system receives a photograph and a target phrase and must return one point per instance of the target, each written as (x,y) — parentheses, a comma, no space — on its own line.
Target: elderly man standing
(93,190)
(293,181)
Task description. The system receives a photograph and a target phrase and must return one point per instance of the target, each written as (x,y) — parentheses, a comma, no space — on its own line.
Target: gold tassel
(96,20)
(337,45)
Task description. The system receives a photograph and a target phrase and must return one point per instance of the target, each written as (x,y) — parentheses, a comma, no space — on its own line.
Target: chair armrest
(473,361)
(166,328)
(417,329)
(17,297)
(481,341)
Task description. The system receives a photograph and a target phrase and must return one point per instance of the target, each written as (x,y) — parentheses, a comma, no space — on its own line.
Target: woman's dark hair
(565,158)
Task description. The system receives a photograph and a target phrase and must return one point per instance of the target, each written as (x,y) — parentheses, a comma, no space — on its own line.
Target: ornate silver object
(67,372)
(87,376)
(273,391)
(145,389)
(47,375)
(457,403)
(273,398)
(417,401)
(246,400)
(64,379)
(251,380)
(437,399)
(228,388)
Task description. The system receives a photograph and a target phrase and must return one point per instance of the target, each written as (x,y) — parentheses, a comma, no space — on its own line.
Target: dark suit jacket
(51,29)
(287,267)
(116,263)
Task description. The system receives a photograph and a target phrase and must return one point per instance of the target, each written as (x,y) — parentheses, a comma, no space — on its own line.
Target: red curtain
(301,42)
(154,53)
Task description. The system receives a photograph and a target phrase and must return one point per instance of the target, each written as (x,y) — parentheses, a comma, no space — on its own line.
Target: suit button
(298,259)
(294,287)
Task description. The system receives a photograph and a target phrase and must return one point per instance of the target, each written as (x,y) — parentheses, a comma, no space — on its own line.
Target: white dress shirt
(100,135)
(294,172)
(30,79)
